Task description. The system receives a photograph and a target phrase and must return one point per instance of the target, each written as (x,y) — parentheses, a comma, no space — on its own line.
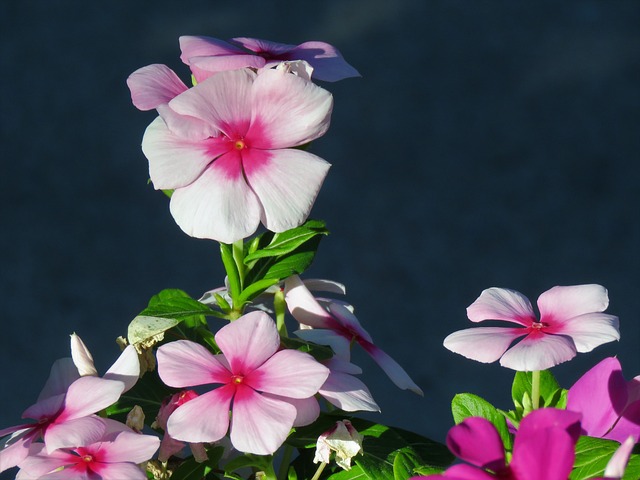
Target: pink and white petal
(82,358)
(322,285)
(547,454)
(74,432)
(154,85)
(184,363)
(600,395)
(200,46)
(394,371)
(203,419)
(338,365)
(39,463)
(303,306)
(501,304)
(259,424)
(289,373)
(186,127)
(128,447)
(482,344)
(126,368)
(307,409)
(476,440)
(120,471)
(327,62)
(222,100)
(286,182)
(340,345)
(348,393)
(618,462)
(562,303)
(349,321)
(63,373)
(219,205)
(174,161)
(589,330)
(287,111)
(205,66)
(539,351)
(15,453)
(248,342)
(89,395)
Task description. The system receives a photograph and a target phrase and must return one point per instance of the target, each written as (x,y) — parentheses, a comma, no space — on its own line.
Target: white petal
(482,344)
(501,304)
(539,352)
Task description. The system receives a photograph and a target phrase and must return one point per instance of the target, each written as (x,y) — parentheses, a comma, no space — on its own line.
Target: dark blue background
(489,143)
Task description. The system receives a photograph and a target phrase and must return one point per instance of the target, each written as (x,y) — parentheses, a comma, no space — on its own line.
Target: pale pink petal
(483,344)
(477,441)
(561,303)
(348,320)
(89,395)
(394,371)
(63,373)
(501,304)
(340,345)
(223,100)
(203,419)
(39,463)
(126,368)
(219,205)
(12,455)
(46,408)
(248,342)
(322,285)
(303,306)
(286,183)
(120,471)
(184,363)
(589,330)
(204,67)
(267,48)
(201,46)
(618,462)
(289,373)
(186,127)
(539,352)
(348,393)
(81,356)
(287,111)
(307,409)
(128,447)
(600,395)
(174,161)
(259,424)
(71,433)
(154,85)
(545,454)
(326,60)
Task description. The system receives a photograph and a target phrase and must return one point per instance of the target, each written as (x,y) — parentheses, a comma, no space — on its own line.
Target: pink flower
(610,406)
(268,387)
(571,320)
(227,148)
(337,327)
(115,455)
(344,390)
(206,56)
(544,448)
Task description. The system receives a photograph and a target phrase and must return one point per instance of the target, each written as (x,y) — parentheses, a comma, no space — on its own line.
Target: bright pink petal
(128,447)
(71,433)
(174,161)
(327,62)
(462,472)
(600,395)
(288,373)
(248,342)
(539,351)
(63,373)
(203,419)
(184,363)
(89,395)
(589,330)
(482,344)
(562,303)
(394,371)
(303,306)
(219,205)
(348,393)
(259,424)
(476,440)
(547,453)
(544,418)
(501,304)
(126,368)
(223,100)
(154,85)
(286,183)
(287,111)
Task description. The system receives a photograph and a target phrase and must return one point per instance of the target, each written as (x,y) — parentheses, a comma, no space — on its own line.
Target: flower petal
(349,321)
(462,472)
(307,409)
(561,303)
(63,373)
(589,330)
(547,453)
(184,363)
(154,85)
(15,453)
(303,306)
(89,395)
(482,344)
(259,424)
(201,46)
(119,471)
(128,447)
(477,441)
(340,345)
(82,357)
(501,304)
(628,424)
(203,419)
(287,111)
(74,432)
(618,462)
(539,351)
(348,393)
(126,368)
(327,62)
(543,418)
(394,371)
(287,183)
(219,205)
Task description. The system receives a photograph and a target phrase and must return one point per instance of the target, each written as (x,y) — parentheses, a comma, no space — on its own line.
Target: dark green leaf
(192,470)
(319,352)
(465,405)
(256,289)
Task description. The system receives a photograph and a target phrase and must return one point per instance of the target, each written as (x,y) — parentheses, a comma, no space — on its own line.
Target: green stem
(238,256)
(280,306)
(319,471)
(535,389)
(286,460)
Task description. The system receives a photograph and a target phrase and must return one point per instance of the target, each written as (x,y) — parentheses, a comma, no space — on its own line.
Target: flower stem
(280,306)
(535,389)
(238,256)
(316,476)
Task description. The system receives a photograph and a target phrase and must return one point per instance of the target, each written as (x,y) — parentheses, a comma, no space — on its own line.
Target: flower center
(87,458)
(237,379)
(538,325)
(239,144)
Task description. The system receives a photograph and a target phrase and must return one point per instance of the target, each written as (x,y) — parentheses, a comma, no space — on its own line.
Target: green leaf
(230,267)
(592,456)
(551,394)
(192,470)
(261,462)
(255,289)
(465,405)
(288,241)
(405,464)
(355,473)
(319,352)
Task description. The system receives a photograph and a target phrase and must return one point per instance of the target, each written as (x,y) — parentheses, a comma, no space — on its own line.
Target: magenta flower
(544,448)
(571,320)
(114,456)
(610,406)
(267,386)
(227,148)
(206,56)
(337,327)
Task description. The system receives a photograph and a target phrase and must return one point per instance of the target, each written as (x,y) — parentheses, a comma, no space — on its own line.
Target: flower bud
(343,439)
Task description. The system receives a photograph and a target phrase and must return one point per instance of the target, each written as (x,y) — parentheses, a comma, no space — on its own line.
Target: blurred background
(488,143)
